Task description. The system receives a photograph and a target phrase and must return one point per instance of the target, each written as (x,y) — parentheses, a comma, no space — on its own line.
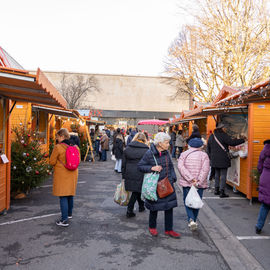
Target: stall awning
(220,110)
(55,111)
(19,85)
(185,120)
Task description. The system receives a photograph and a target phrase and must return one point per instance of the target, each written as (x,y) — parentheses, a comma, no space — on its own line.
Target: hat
(220,125)
(195,143)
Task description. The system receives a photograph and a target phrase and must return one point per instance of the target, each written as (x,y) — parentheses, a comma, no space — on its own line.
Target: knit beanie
(195,143)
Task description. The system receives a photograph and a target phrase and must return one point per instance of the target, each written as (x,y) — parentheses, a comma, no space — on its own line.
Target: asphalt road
(99,236)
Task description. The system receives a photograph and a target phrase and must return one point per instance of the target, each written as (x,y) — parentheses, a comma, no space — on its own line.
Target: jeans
(66,206)
(135,196)
(168,219)
(103,155)
(118,165)
(173,151)
(264,209)
(97,142)
(191,212)
(220,178)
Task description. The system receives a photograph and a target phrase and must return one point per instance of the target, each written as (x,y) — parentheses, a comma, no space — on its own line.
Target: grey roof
(7,61)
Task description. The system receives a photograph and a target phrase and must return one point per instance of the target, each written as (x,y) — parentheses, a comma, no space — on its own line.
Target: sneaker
(153,231)
(130,214)
(192,225)
(173,234)
(70,217)
(257,230)
(62,223)
(223,194)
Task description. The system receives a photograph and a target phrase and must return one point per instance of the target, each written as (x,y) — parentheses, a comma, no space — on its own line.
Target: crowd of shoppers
(135,156)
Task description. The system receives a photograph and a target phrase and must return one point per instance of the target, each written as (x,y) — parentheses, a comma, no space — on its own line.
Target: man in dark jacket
(195,133)
(219,158)
(133,177)
(131,136)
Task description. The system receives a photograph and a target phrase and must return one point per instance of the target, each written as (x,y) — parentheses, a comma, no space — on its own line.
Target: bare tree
(75,87)
(229,44)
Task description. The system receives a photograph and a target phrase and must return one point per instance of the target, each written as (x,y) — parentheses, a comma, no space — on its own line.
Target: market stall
(18,86)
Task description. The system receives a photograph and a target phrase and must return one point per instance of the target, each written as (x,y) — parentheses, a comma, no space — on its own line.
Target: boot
(130,214)
(217,191)
(223,194)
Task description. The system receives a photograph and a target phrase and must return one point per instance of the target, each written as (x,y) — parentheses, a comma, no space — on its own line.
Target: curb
(234,253)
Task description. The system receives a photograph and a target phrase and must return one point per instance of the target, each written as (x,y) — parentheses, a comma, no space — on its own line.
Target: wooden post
(250,148)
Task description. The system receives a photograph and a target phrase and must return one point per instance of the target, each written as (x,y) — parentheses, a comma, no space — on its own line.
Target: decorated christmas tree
(29,163)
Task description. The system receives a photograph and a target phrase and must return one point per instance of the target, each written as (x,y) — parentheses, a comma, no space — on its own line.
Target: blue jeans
(103,155)
(173,151)
(262,215)
(191,212)
(97,142)
(66,206)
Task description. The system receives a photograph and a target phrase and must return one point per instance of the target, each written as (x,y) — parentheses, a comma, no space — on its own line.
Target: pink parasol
(153,122)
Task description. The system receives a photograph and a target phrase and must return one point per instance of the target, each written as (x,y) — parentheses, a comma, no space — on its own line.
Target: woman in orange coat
(64,180)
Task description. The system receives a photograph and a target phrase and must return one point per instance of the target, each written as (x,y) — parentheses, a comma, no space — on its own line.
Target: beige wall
(130,93)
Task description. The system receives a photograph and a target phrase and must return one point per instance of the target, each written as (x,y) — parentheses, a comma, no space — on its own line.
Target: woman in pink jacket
(194,167)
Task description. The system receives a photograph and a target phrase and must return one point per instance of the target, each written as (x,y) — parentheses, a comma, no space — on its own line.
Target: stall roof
(258,93)
(56,111)
(19,85)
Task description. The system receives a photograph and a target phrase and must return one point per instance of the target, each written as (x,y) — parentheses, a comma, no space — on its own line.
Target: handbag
(121,196)
(230,155)
(164,187)
(193,199)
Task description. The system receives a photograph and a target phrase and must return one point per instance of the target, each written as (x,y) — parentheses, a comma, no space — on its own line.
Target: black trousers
(220,178)
(135,196)
(168,216)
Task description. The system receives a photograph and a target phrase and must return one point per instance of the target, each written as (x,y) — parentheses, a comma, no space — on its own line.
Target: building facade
(128,99)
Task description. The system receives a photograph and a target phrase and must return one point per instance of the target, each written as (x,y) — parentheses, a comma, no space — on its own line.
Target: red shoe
(153,231)
(173,234)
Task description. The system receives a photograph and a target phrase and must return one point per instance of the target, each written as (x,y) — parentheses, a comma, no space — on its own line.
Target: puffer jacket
(264,168)
(145,165)
(193,164)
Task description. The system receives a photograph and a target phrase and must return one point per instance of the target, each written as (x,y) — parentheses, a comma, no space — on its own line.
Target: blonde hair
(63,132)
(140,136)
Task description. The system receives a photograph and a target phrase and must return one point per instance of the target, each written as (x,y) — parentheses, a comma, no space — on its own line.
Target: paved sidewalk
(99,236)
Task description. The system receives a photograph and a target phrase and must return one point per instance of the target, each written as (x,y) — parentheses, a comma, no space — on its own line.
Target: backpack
(72,157)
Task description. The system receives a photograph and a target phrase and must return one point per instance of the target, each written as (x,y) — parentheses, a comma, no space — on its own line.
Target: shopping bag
(121,196)
(113,157)
(193,199)
(149,186)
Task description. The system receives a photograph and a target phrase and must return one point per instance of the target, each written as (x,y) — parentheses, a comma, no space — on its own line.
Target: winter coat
(64,180)
(218,157)
(264,168)
(179,141)
(118,146)
(132,155)
(130,137)
(194,134)
(193,164)
(145,165)
(104,141)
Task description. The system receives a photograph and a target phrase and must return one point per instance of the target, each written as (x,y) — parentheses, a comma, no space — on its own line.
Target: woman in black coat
(132,176)
(148,165)
(219,158)
(118,149)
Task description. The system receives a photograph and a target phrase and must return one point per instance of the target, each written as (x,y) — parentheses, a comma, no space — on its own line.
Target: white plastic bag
(193,199)
(113,157)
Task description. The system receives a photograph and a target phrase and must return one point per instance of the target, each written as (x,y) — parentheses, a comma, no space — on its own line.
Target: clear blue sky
(93,36)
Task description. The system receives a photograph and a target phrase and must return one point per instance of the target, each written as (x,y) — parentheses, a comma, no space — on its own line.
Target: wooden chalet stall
(257,99)
(18,89)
